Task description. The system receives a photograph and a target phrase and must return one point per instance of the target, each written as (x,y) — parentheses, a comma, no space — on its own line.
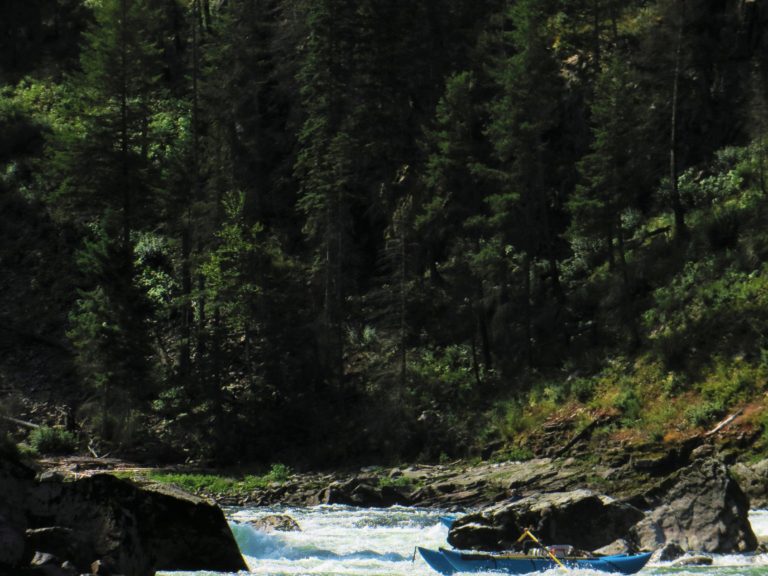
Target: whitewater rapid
(344,541)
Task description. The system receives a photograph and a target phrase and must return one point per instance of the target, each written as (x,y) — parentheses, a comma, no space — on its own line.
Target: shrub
(630,406)
(397,482)
(514,454)
(207,483)
(703,414)
(278,473)
(583,389)
(47,440)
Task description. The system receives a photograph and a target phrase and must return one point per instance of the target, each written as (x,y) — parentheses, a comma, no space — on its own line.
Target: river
(336,540)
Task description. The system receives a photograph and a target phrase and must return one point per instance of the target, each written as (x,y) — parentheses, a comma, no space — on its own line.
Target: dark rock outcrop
(580,517)
(137,530)
(667,553)
(700,508)
(361,492)
(11,544)
(276,523)
(63,525)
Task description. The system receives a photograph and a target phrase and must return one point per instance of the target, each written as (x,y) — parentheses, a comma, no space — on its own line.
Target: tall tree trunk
(681,231)
(402,311)
(339,291)
(125,184)
(596,35)
(185,352)
(527,312)
(627,308)
(482,326)
(187,319)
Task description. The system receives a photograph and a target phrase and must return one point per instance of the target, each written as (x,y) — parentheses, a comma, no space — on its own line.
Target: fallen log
(723,424)
(18,422)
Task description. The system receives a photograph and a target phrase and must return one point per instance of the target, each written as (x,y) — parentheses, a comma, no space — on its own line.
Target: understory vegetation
(322,232)
(214,484)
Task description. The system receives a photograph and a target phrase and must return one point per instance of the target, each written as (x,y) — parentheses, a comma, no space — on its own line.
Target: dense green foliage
(46,440)
(221,485)
(324,230)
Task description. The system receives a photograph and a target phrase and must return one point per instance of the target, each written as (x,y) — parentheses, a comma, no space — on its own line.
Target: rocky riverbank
(683,497)
(677,498)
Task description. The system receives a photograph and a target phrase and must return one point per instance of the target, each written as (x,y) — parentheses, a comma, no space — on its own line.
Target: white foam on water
(345,541)
(340,540)
(759,521)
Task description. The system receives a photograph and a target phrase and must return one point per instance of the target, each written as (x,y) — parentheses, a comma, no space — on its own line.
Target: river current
(337,540)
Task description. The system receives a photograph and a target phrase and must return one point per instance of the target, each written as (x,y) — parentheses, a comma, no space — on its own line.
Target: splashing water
(343,541)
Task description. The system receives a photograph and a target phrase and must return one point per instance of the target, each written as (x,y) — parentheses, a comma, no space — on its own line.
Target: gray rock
(60,541)
(43,558)
(620,546)
(701,509)
(753,479)
(581,518)
(667,553)
(693,561)
(276,523)
(366,496)
(337,493)
(361,492)
(44,564)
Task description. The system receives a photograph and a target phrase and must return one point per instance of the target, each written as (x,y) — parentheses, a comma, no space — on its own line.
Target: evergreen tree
(522,128)
(613,175)
(111,170)
(451,218)
(324,164)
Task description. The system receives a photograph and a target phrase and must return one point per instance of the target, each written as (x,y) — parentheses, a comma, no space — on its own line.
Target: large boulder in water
(135,530)
(700,508)
(107,522)
(581,518)
(753,479)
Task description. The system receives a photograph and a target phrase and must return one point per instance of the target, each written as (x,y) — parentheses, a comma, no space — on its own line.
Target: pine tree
(522,128)
(613,175)
(324,164)
(111,169)
(610,170)
(450,221)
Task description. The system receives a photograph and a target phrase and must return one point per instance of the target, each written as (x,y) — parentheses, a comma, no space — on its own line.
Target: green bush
(582,389)
(208,483)
(703,414)
(213,484)
(397,482)
(45,440)
(278,473)
(630,406)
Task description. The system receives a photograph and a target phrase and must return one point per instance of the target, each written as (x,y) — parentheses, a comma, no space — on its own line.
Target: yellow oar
(527,534)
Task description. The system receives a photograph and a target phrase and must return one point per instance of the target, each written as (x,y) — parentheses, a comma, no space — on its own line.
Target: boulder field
(679,498)
(700,509)
(101,524)
(673,499)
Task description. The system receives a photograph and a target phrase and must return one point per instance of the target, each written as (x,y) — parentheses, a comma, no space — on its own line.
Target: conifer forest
(331,231)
